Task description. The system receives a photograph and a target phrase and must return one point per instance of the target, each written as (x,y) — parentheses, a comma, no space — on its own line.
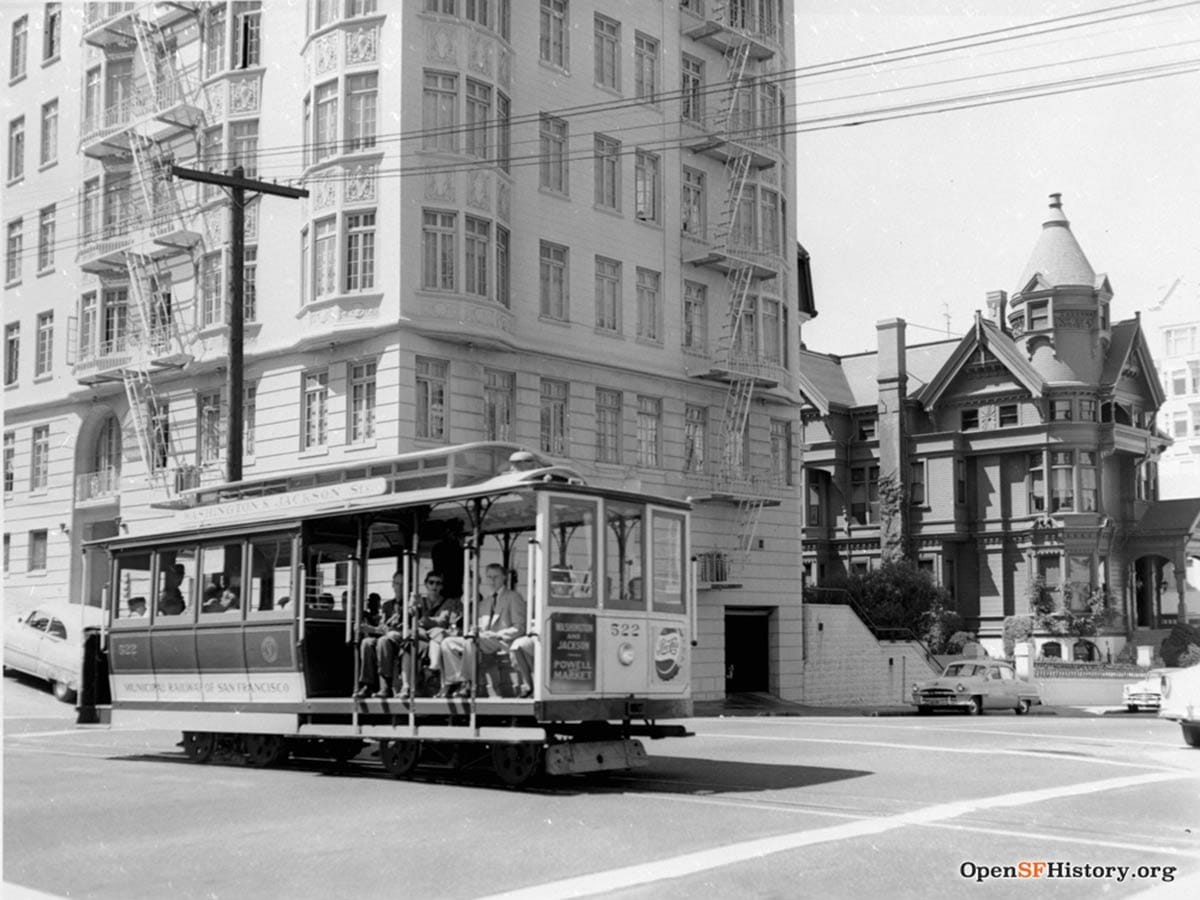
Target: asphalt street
(1083,805)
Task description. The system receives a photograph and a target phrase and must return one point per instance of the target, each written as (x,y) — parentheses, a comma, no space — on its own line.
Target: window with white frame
(1182,340)
(325,106)
(781,451)
(48,150)
(361,111)
(159,413)
(247,34)
(39,459)
(7,551)
(607,156)
(1062,480)
(608,425)
(692,206)
(16,148)
(38,543)
(1036,481)
(649,431)
(19,48)
(608,294)
(249,418)
(770,221)
(774,335)
(212,157)
(437,250)
(89,214)
(44,351)
(477,11)
(212,294)
(645,66)
(10,461)
(360,251)
(503,267)
(1087,480)
(114,320)
(13,247)
(499,401)
(649,305)
(607,43)
(250,283)
(477,246)
(443,7)
(646,186)
(916,482)
(695,438)
(46,235)
(209,443)
(553,280)
(325,279)
(305,266)
(695,317)
(552,33)
(503,131)
(362,401)
(433,388)
(864,494)
(12,352)
(52,32)
(439,111)
(325,12)
(479,117)
(553,163)
(243,146)
(314,410)
(213,35)
(553,404)
(692,93)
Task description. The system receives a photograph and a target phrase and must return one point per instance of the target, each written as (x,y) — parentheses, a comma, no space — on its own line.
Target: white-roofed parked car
(974,685)
(1181,701)
(1145,693)
(47,643)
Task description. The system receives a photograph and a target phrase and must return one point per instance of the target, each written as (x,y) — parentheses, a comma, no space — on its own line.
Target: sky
(921,217)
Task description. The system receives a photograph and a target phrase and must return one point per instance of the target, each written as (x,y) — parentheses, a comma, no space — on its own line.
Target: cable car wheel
(517,764)
(199,745)
(400,757)
(262,750)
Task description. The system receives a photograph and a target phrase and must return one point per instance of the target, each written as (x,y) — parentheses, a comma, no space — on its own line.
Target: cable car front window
(571,555)
(133,588)
(624,554)
(667,559)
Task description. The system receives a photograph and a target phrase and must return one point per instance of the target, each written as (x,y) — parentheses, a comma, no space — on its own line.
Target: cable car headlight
(626,654)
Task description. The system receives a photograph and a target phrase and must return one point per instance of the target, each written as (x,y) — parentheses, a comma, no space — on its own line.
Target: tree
(899,595)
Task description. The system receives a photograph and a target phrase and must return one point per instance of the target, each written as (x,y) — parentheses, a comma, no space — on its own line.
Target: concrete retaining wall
(844,665)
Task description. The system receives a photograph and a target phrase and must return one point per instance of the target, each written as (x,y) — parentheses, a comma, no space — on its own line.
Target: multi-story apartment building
(560,223)
(1174,324)
(1023,454)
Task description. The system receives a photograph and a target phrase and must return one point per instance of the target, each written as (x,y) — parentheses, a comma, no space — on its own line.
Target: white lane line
(1190,853)
(39,734)
(717,857)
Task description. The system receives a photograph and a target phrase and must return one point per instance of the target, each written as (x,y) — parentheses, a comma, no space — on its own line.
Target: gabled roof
(1129,342)
(1171,517)
(822,381)
(988,336)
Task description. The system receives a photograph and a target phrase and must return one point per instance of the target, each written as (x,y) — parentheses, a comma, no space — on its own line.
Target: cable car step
(595,756)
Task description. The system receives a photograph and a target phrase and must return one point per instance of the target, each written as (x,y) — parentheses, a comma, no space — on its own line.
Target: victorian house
(1018,464)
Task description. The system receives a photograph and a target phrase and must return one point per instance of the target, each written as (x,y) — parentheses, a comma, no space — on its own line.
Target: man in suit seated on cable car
(500,637)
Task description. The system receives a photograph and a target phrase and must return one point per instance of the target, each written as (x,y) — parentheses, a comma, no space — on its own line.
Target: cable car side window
(176,584)
(668,560)
(269,588)
(133,589)
(624,538)
(221,579)
(571,555)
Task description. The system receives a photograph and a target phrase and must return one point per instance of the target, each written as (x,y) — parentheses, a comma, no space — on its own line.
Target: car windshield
(961,670)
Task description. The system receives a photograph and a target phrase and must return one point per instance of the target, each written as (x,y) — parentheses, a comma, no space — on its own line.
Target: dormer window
(1104,317)
(1039,315)
(969,420)
(866,429)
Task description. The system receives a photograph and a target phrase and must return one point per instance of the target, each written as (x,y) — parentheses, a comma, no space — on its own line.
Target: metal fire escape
(156,245)
(732,135)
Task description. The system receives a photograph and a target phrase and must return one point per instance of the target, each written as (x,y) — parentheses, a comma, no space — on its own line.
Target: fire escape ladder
(144,411)
(730,117)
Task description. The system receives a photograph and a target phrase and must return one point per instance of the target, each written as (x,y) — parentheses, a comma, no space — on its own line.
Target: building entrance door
(747,651)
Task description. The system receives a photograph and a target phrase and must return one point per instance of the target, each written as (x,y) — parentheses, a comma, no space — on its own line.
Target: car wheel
(1132,707)
(975,707)
(924,710)
(1191,735)
(1023,706)
(64,692)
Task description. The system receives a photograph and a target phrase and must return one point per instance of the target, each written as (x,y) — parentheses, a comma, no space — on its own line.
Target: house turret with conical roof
(1059,314)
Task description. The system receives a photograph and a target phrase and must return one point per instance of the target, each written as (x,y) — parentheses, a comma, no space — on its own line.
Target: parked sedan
(1181,702)
(1146,693)
(974,685)
(47,642)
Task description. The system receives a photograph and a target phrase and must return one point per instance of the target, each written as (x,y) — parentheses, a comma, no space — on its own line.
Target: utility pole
(237,184)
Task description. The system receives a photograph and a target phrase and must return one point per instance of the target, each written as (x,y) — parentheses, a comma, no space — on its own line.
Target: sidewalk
(770,705)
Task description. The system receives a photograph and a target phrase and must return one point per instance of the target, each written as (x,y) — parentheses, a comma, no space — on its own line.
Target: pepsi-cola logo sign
(668,653)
